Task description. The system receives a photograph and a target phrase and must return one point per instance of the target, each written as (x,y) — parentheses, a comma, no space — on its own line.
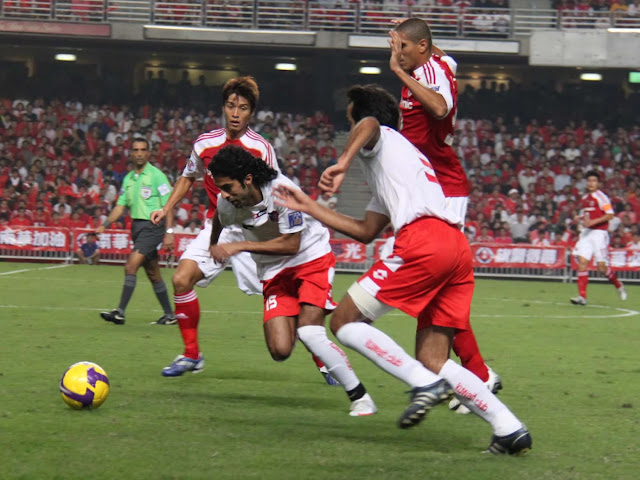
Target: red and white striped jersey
(595,205)
(208,144)
(431,136)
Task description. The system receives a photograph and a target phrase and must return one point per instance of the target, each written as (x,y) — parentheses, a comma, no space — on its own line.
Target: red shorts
(429,275)
(309,283)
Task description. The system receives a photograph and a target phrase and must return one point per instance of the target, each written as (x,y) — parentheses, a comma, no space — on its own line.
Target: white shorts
(456,204)
(242,264)
(593,243)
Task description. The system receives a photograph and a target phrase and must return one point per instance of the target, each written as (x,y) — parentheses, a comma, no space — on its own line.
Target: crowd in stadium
(61,163)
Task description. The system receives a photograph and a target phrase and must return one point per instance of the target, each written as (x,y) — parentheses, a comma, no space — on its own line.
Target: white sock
(474,394)
(385,353)
(336,361)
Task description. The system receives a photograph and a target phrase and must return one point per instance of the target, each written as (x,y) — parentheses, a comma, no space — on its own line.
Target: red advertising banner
(349,251)
(619,259)
(517,256)
(119,241)
(48,239)
(55,28)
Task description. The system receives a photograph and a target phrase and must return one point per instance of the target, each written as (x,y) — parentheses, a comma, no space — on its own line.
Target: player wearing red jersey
(596,211)
(196,267)
(429,275)
(293,259)
(429,105)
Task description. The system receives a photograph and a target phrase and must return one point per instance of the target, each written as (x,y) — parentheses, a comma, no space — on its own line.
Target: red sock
(188,313)
(583,280)
(319,363)
(612,278)
(466,347)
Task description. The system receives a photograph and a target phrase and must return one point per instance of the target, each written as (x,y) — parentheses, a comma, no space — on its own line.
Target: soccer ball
(84,385)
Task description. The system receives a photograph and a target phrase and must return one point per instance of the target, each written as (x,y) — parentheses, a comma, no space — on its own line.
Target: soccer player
(144,189)
(294,262)
(196,267)
(596,211)
(428,276)
(429,104)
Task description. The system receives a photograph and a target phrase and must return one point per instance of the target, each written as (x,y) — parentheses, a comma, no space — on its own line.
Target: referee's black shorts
(147,237)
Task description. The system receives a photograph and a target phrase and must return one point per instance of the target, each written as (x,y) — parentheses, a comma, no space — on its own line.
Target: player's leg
(312,332)
(605,269)
(601,257)
(134,262)
(583,281)
(152,269)
(187,311)
(280,336)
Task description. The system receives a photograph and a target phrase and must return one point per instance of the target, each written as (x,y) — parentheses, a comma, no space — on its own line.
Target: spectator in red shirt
(20,219)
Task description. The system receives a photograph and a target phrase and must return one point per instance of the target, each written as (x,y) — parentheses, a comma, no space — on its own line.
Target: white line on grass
(34,269)
(624,312)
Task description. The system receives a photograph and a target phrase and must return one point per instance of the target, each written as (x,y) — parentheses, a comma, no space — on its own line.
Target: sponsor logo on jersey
(191,166)
(406,104)
(295,219)
(484,255)
(435,88)
(255,215)
(145,192)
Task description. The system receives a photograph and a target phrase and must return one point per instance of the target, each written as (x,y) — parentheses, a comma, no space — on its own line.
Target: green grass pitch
(572,374)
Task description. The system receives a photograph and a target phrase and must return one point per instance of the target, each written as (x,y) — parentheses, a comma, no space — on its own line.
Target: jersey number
(271,303)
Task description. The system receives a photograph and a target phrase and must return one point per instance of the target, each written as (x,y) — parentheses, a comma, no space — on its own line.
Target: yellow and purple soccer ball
(84,385)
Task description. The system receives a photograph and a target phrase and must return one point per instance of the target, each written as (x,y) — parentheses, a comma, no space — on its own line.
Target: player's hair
(140,139)
(592,173)
(415,30)
(374,101)
(236,163)
(245,87)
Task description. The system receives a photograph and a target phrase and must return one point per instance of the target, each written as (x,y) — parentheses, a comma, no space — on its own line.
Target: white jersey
(403,182)
(267,220)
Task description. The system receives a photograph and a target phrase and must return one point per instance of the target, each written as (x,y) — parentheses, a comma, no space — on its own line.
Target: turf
(571,373)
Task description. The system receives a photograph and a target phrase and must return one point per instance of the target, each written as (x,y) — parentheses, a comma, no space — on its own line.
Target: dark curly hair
(236,163)
(374,101)
(592,173)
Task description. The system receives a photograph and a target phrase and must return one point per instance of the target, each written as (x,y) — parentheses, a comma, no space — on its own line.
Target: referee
(144,190)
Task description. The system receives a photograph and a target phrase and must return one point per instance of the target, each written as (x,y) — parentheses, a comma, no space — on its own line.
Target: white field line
(34,269)
(623,311)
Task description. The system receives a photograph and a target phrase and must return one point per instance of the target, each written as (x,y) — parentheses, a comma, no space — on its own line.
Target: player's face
(237,113)
(592,184)
(411,55)
(236,193)
(139,154)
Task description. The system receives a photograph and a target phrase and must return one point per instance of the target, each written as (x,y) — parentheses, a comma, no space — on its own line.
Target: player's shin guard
(611,276)
(466,347)
(315,339)
(385,353)
(473,393)
(188,313)
(583,281)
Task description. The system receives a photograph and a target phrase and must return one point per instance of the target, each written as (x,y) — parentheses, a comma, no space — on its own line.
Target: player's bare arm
(589,223)
(115,214)
(432,101)
(365,134)
(180,189)
(168,240)
(364,230)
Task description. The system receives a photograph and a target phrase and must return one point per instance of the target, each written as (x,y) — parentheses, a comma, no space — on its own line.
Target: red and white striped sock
(613,278)
(188,313)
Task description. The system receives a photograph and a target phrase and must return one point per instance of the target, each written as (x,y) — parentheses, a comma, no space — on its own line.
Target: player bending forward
(429,275)
(594,238)
(293,259)
(240,97)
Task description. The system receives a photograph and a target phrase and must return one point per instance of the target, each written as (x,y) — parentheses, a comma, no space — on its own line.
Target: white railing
(315,16)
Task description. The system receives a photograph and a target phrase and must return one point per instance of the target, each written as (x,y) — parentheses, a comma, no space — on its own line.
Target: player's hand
(332,178)
(395,43)
(292,198)
(157,216)
(220,253)
(399,20)
(168,242)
